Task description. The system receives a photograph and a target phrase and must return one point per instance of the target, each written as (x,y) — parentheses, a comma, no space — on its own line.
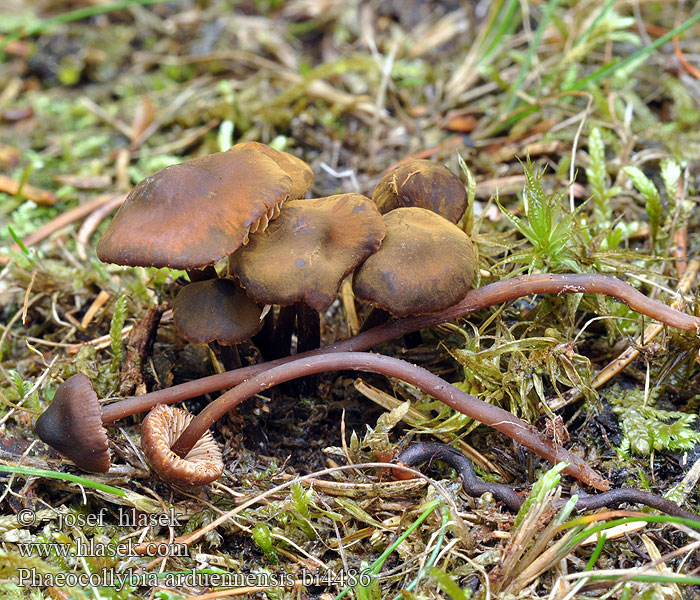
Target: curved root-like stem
(495,417)
(473,485)
(494,293)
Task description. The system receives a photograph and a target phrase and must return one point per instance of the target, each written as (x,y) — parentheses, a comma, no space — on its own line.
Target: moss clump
(647,428)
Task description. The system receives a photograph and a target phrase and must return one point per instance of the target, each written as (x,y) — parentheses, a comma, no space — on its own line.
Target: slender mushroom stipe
(473,485)
(478,299)
(491,415)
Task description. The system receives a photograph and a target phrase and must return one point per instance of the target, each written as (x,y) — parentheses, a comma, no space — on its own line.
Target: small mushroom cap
(306,252)
(73,425)
(301,173)
(424,184)
(191,215)
(425,264)
(216,309)
(160,430)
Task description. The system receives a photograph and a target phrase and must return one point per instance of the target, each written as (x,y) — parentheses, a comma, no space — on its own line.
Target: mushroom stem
(230,356)
(308,339)
(376,317)
(308,328)
(265,339)
(494,293)
(475,486)
(202,274)
(491,415)
(379,316)
(283,331)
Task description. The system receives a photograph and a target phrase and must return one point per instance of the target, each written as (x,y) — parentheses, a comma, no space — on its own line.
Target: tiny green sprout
(671,174)
(19,242)
(651,197)
(262,536)
(449,585)
(549,231)
(601,193)
(301,500)
(18,382)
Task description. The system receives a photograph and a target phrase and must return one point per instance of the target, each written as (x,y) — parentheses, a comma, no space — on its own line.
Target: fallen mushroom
(423,184)
(477,299)
(159,430)
(73,425)
(301,259)
(485,413)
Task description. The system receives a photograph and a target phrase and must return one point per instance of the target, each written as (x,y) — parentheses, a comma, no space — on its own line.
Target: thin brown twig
(68,217)
(680,250)
(473,485)
(93,309)
(139,346)
(30,192)
(92,222)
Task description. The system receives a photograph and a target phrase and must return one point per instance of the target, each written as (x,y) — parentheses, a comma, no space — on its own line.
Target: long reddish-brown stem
(473,485)
(494,293)
(495,417)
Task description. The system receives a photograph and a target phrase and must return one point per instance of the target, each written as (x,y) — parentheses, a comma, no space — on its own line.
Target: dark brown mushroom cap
(306,252)
(73,425)
(216,309)
(424,184)
(301,173)
(425,264)
(193,214)
(160,430)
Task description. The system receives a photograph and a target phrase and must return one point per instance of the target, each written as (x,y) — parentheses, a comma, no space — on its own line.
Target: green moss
(647,428)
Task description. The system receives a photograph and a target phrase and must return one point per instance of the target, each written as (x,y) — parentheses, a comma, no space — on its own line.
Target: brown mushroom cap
(306,252)
(193,214)
(425,264)
(159,431)
(216,309)
(73,425)
(301,174)
(424,184)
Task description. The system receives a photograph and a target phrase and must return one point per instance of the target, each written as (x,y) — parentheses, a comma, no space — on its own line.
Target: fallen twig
(30,192)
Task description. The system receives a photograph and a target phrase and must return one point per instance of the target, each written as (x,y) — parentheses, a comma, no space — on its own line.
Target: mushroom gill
(159,430)
(261,223)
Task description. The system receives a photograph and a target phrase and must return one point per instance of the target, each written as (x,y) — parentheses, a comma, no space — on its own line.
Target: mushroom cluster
(246,205)
(402,248)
